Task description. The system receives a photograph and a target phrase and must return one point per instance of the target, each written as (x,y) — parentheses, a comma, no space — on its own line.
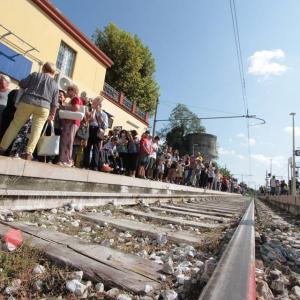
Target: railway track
(166,249)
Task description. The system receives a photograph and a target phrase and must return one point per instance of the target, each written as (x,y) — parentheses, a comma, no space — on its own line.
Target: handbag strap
(45,128)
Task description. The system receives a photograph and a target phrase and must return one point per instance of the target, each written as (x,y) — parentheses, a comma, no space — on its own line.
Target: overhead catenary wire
(238,52)
(172,103)
(239,55)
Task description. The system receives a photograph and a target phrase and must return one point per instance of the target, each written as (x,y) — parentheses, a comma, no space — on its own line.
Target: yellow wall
(27,21)
(30,23)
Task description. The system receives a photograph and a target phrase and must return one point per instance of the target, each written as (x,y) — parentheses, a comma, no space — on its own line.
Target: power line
(238,48)
(238,52)
(167,103)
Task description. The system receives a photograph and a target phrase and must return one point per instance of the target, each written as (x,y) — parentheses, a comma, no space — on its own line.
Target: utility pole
(271,166)
(288,171)
(194,148)
(294,163)
(154,120)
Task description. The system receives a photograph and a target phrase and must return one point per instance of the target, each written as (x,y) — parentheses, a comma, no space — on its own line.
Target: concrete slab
(144,228)
(170,220)
(43,170)
(11,166)
(191,214)
(180,206)
(54,177)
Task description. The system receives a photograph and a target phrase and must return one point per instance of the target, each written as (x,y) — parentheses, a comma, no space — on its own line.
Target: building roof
(51,11)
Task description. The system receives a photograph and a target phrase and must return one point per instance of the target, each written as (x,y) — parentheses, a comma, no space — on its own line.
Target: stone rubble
(169,295)
(296,292)
(14,287)
(39,285)
(38,269)
(278,274)
(76,287)
(182,264)
(99,287)
(168,267)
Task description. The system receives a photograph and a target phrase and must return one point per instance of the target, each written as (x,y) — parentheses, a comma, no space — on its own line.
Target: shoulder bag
(48,145)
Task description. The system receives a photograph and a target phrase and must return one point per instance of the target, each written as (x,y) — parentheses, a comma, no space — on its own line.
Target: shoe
(106,168)
(68,165)
(16,156)
(2,152)
(27,156)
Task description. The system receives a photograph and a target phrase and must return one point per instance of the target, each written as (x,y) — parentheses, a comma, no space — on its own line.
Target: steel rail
(234,276)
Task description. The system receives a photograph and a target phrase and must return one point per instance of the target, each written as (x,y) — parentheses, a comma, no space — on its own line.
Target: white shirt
(154,147)
(97,117)
(272,182)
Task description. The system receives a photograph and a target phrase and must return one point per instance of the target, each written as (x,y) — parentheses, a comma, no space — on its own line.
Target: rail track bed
(277,253)
(165,250)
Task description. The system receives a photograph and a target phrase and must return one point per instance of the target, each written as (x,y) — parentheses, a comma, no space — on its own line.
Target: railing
(111,92)
(114,95)
(128,104)
(140,113)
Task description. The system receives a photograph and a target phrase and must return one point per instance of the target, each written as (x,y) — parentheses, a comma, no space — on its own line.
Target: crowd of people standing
(25,113)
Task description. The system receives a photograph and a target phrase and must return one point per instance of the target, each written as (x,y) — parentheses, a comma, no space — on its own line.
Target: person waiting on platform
(4,91)
(98,122)
(69,129)
(40,101)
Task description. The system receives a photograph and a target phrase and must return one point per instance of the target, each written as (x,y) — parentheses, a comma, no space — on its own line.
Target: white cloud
(244,139)
(265,63)
(223,151)
(277,161)
(252,141)
(265,160)
(289,130)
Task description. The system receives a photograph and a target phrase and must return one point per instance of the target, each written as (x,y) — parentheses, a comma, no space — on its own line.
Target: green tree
(134,66)
(181,116)
(182,121)
(176,139)
(225,172)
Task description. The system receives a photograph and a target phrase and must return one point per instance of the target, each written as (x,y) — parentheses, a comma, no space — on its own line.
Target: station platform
(35,185)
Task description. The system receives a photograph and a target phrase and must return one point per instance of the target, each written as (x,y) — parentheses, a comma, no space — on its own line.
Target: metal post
(154,120)
(294,163)
(194,148)
(288,172)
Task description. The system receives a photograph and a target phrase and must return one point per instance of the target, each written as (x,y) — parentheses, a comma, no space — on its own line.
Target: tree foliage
(182,121)
(184,118)
(225,172)
(134,66)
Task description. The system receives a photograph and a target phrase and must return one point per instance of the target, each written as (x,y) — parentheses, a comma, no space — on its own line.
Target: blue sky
(193,45)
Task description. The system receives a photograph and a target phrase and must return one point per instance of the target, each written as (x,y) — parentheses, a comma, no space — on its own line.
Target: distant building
(204,143)
(35,31)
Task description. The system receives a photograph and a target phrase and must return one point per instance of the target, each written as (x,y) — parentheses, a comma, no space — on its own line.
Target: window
(65,59)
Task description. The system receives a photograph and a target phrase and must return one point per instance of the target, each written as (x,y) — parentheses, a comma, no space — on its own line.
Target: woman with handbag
(39,100)
(69,129)
(98,122)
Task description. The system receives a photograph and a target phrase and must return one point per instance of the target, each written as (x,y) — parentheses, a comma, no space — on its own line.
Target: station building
(35,31)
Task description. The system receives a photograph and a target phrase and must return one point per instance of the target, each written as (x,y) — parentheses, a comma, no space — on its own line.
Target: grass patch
(19,265)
